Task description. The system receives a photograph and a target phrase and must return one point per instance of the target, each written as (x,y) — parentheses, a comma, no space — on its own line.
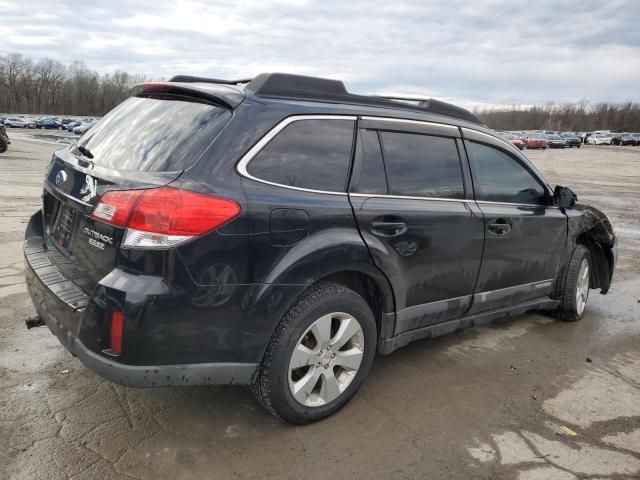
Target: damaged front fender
(590,227)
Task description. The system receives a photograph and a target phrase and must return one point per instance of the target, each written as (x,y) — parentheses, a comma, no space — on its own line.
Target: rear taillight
(117,327)
(163,217)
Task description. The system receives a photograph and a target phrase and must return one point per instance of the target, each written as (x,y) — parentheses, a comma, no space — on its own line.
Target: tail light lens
(117,327)
(163,217)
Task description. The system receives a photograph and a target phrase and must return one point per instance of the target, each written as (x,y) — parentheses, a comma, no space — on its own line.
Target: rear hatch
(145,142)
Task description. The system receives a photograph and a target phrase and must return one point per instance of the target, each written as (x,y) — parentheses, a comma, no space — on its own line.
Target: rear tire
(3,146)
(330,373)
(573,300)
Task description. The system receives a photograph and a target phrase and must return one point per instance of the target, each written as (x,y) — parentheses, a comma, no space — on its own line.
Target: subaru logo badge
(61,177)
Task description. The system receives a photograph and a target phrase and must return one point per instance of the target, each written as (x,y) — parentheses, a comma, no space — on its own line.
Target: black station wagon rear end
(281,232)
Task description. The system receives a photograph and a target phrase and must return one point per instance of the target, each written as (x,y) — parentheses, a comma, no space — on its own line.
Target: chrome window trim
(241,166)
(407,197)
(513,149)
(415,122)
(537,205)
(53,190)
(441,199)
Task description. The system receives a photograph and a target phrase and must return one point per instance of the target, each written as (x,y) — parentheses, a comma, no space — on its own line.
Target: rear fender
(324,254)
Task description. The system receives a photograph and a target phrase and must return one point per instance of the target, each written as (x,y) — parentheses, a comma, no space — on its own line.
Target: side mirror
(564,197)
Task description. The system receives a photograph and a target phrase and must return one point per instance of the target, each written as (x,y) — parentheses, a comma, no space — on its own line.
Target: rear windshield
(154,134)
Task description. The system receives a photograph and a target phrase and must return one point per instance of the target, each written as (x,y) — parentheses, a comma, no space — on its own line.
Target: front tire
(318,356)
(575,294)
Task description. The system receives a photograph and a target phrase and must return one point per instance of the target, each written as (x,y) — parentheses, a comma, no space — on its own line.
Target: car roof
(319,91)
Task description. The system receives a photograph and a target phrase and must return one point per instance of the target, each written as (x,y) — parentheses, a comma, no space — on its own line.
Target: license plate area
(59,222)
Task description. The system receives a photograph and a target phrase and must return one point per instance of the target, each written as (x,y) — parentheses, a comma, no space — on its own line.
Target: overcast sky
(472,52)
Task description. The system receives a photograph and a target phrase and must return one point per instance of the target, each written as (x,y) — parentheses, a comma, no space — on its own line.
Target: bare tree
(581,116)
(50,87)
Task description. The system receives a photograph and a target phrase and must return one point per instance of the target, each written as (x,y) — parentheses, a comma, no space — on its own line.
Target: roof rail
(299,87)
(192,79)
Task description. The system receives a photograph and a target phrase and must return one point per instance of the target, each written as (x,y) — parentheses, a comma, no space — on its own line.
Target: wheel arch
(591,228)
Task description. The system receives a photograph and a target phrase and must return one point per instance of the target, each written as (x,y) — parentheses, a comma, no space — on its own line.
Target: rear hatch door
(145,142)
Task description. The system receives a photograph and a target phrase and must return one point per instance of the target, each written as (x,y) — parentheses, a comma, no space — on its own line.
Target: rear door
(524,233)
(411,196)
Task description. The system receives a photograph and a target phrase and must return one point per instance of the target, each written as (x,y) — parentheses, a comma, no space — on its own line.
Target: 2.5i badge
(97,239)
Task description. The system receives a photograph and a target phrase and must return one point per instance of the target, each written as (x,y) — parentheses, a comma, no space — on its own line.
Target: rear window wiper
(85,151)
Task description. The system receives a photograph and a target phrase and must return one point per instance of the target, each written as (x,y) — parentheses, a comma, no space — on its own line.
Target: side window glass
(313,154)
(422,165)
(498,177)
(369,175)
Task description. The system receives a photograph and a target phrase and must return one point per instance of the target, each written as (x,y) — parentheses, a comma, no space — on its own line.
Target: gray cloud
(490,52)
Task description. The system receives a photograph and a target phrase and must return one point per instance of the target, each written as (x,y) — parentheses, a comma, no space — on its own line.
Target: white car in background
(600,139)
(83,127)
(15,122)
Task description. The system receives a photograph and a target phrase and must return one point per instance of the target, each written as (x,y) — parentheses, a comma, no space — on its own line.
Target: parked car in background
(537,140)
(556,141)
(82,128)
(16,122)
(514,139)
(49,123)
(616,138)
(637,137)
(628,139)
(600,139)
(4,139)
(31,122)
(572,139)
(71,125)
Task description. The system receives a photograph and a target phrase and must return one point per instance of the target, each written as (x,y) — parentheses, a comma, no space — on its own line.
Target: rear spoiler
(220,94)
(192,79)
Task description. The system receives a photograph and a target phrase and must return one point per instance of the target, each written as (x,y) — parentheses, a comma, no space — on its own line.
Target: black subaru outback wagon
(279,232)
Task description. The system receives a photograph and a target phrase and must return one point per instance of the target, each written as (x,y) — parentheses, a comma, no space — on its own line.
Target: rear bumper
(65,308)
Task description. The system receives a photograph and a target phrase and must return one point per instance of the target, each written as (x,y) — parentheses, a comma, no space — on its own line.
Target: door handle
(499,227)
(384,228)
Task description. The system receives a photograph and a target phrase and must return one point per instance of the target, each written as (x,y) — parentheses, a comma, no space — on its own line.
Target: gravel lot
(529,398)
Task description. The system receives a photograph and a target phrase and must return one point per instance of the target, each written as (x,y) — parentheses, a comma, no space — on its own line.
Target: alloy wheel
(326,359)
(582,289)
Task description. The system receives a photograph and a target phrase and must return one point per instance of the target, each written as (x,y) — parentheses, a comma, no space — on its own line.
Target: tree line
(47,86)
(573,117)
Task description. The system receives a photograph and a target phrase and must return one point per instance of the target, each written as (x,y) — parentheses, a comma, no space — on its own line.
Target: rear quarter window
(311,154)
(154,134)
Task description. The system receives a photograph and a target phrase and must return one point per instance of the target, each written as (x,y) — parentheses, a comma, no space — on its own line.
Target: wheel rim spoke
(330,389)
(301,357)
(321,330)
(302,388)
(349,359)
(348,328)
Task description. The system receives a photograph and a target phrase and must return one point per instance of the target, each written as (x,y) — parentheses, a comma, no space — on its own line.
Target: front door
(415,213)
(524,233)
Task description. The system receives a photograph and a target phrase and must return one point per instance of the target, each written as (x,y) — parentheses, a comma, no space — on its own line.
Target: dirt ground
(528,398)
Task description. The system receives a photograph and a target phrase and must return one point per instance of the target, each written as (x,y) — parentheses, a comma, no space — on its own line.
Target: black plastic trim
(389,345)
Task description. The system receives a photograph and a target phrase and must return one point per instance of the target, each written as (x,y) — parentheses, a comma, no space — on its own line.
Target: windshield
(153,134)
(555,137)
(536,135)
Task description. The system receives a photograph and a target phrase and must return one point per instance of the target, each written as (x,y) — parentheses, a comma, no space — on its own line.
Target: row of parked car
(545,139)
(49,123)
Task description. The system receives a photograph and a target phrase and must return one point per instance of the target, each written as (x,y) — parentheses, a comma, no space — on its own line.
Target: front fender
(591,227)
